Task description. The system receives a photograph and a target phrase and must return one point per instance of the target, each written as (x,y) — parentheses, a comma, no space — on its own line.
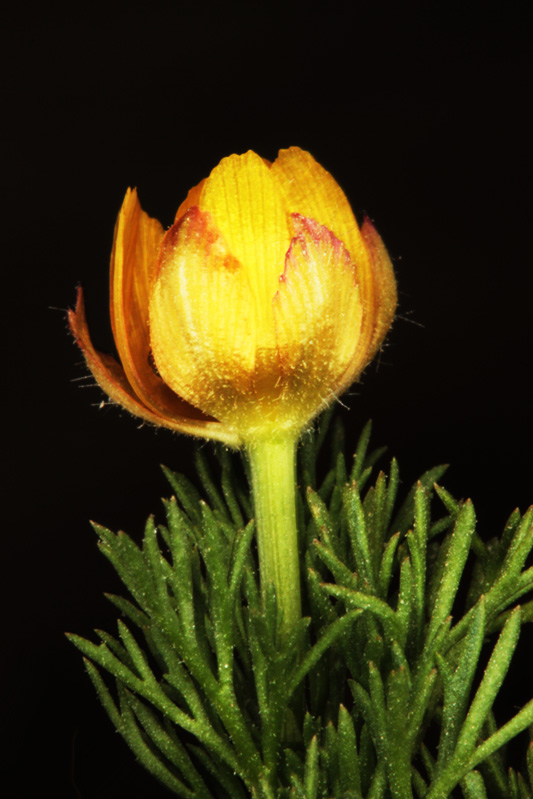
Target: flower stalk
(273,468)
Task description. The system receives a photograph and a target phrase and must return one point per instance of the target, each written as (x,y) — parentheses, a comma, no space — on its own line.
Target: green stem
(273,463)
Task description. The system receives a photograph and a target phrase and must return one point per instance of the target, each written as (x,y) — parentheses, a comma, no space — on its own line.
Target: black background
(421,112)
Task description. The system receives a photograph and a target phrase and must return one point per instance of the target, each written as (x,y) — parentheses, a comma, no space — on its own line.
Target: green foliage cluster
(384,690)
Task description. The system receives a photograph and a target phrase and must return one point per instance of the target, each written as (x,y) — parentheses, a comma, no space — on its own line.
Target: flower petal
(313,192)
(111,377)
(192,198)
(202,323)
(384,286)
(137,239)
(248,208)
(318,315)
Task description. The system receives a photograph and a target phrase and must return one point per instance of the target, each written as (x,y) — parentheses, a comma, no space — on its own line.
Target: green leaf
(240,553)
(529,761)
(421,695)
(404,616)
(360,453)
(405,515)
(397,746)
(341,573)
(323,521)
(104,657)
(509,530)
(457,685)
(186,493)
(452,505)
(128,609)
(137,655)
(148,757)
(520,546)
(374,505)
(386,566)
(379,710)
(357,599)
(348,760)
(378,783)
(522,720)
(212,492)
(357,530)
(392,491)
(456,556)
(116,648)
(417,544)
(325,642)
(103,694)
(419,784)
(490,684)
(169,745)
(129,562)
(228,779)
(524,792)
(294,769)
(466,754)
(229,487)
(473,786)
(311,770)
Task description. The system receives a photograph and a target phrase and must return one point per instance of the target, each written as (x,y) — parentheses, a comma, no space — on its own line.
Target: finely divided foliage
(383,690)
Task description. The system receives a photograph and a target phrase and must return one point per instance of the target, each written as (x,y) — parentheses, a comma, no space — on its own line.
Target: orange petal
(137,239)
(112,379)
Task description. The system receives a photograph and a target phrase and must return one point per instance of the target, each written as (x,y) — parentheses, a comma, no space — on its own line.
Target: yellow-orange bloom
(262,303)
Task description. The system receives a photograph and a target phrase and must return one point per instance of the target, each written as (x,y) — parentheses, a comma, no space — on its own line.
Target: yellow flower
(262,303)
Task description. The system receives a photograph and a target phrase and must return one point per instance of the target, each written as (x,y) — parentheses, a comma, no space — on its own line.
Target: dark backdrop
(421,112)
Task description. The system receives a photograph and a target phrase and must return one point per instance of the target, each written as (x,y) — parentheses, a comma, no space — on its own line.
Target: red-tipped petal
(318,315)
(192,198)
(385,292)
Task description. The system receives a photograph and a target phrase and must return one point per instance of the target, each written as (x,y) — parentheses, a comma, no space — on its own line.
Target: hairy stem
(272,462)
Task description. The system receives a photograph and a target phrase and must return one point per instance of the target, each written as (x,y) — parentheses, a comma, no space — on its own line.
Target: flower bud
(260,305)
